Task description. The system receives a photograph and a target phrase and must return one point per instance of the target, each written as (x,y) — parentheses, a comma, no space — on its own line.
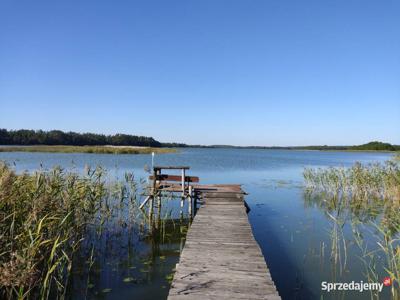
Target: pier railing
(161,182)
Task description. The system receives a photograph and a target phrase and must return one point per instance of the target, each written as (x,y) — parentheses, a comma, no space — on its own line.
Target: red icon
(387,281)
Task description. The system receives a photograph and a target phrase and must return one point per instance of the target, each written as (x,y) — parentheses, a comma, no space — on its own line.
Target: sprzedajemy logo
(355,286)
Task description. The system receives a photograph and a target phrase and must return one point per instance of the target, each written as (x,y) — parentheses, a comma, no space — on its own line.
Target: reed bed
(358,183)
(88,149)
(43,217)
(59,228)
(367,197)
(368,191)
(50,218)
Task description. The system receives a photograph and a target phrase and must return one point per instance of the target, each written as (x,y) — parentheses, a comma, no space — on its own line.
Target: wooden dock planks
(221,259)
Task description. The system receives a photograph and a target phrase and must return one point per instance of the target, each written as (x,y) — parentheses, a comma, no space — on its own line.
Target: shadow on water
(121,263)
(290,285)
(121,259)
(125,254)
(363,233)
(330,242)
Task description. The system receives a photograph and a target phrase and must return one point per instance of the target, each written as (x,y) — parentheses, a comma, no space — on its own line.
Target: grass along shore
(88,149)
(43,220)
(61,230)
(50,218)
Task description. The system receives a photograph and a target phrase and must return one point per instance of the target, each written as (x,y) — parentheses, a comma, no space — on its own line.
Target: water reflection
(363,230)
(123,254)
(293,233)
(122,261)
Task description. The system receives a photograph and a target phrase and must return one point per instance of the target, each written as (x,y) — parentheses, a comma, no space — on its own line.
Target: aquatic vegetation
(88,149)
(129,279)
(43,220)
(170,277)
(368,191)
(367,197)
(358,183)
(59,228)
(397,157)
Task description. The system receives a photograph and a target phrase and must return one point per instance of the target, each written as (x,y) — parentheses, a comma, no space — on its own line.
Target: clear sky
(249,72)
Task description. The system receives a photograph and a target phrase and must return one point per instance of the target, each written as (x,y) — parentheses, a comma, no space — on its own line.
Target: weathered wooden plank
(221,259)
(223,195)
(167,177)
(171,168)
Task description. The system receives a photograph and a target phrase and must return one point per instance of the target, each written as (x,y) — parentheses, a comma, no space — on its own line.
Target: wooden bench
(165,182)
(160,180)
(167,177)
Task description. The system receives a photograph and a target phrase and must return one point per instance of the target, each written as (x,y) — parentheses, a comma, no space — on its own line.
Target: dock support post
(159,204)
(155,172)
(183,192)
(145,201)
(181,230)
(182,204)
(153,195)
(190,196)
(158,210)
(195,197)
(151,207)
(183,182)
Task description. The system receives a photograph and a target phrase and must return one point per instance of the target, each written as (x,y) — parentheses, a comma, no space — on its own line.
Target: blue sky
(268,72)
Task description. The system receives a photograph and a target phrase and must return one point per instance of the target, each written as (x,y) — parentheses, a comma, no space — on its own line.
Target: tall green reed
(367,195)
(56,226)
(43,217)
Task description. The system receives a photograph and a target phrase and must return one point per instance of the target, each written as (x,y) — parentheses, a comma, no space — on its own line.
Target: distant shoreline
(112,149)
(369,147)
(109,149)
(25,137)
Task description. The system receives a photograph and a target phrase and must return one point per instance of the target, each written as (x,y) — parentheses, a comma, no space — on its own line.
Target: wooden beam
(171,167)
(145,201)
(167,177)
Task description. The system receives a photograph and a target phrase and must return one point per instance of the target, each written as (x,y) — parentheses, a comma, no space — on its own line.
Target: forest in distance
(28,137)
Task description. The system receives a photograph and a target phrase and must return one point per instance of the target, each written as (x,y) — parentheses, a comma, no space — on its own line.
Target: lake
(294,234)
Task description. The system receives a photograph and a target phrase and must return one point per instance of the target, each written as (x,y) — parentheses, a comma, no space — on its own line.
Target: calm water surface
(294,235)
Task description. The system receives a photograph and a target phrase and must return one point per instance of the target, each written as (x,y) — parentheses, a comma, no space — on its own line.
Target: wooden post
(155,172)
(183,192)
(182,204)
(158,221)
(196,195)
(182,243)
(159,205)
(154,193)
(151,206)
(183,182)
(190,202)
(145,201)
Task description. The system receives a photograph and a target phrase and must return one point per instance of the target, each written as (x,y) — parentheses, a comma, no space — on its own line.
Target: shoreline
(114,149)
(108,149)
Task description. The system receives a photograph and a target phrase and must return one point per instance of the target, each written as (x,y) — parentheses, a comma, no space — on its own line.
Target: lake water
(294,235)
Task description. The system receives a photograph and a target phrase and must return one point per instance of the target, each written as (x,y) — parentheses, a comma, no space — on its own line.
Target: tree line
(379,146)
(371,146)
(58,137)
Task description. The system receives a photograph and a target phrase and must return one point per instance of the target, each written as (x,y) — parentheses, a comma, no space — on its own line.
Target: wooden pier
(221,259)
